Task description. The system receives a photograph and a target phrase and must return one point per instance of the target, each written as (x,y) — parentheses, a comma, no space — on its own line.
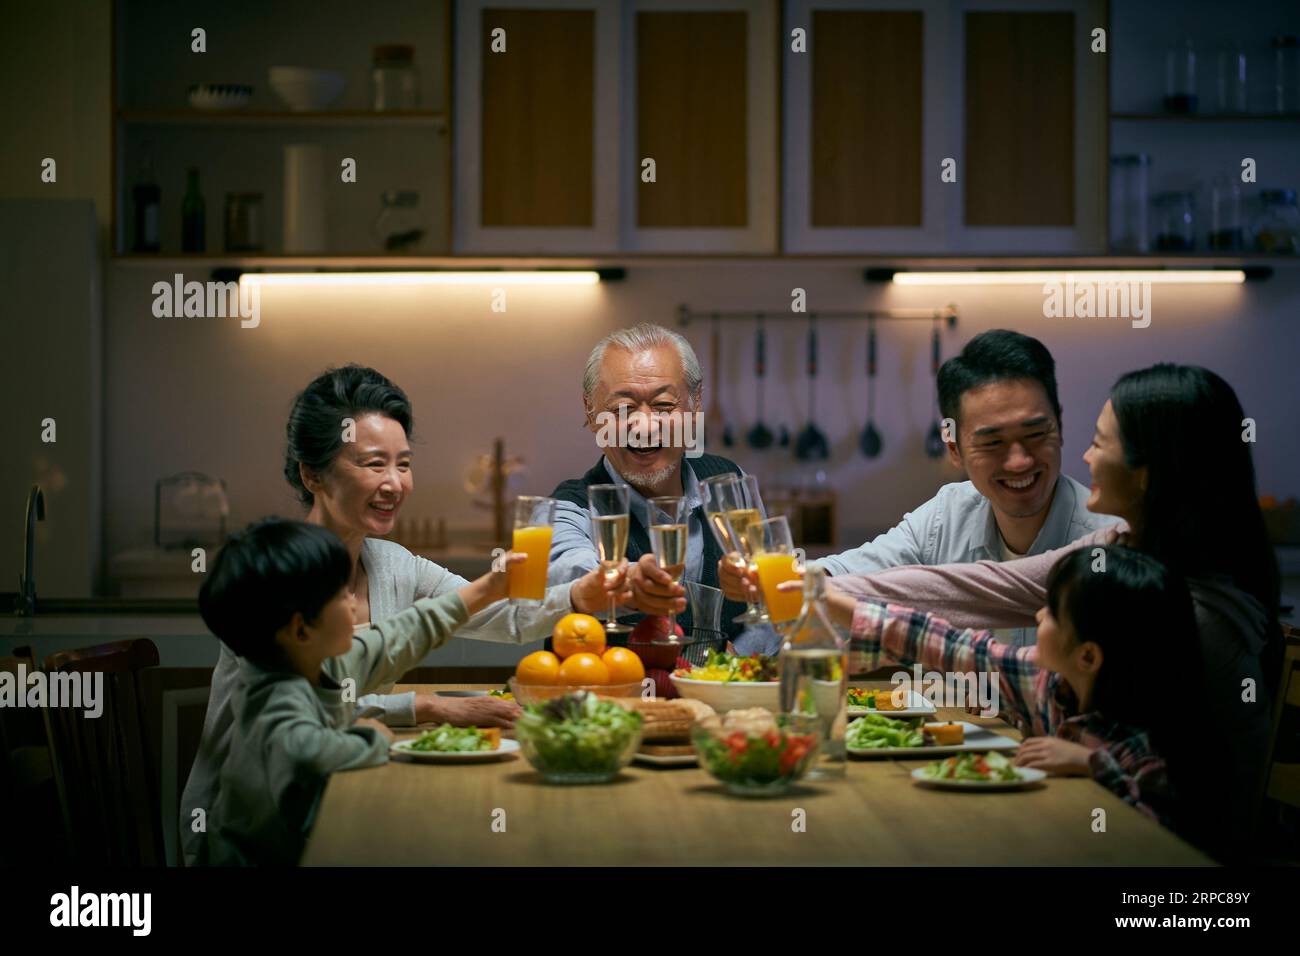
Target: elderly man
(645,377)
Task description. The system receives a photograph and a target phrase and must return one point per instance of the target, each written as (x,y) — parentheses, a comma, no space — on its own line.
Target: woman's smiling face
(364,487)
(1117,489)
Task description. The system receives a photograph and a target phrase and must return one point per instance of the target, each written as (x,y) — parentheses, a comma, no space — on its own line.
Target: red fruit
(650,629)
(664,686)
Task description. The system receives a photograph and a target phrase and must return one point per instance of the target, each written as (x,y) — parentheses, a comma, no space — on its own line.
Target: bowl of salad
(730,682)
(753,753)
(578,738)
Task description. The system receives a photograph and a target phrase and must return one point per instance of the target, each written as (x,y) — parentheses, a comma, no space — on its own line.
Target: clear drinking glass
(534,526)
(732,504)
(771,550)
(669,533)
(608,505)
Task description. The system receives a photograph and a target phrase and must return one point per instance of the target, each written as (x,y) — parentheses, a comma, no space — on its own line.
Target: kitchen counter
(184,641)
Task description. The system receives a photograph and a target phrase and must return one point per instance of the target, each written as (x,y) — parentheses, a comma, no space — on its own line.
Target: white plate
(1028,777)
(976,738)
(666,760)
(917,706)
(403,748)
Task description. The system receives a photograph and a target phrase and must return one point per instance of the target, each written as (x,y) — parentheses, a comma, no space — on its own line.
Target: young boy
(277,596)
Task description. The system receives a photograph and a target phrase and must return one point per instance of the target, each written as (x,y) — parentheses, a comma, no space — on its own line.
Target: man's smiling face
(647,384)
(1010,445)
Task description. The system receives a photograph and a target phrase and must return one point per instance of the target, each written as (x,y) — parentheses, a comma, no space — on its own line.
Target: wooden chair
(31,799)
(1283,780)
(105,764)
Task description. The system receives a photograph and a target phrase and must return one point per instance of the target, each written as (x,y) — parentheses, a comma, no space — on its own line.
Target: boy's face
(309,643)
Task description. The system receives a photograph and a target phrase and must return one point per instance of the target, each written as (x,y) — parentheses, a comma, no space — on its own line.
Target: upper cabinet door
(700,80)
(1033,150)
(944,126)
(866,120)
(536,126)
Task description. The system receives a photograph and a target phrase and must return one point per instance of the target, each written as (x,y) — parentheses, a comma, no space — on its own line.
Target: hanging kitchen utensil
(760,436)
(714,425)
(811,444)
(871,442)
(934,443)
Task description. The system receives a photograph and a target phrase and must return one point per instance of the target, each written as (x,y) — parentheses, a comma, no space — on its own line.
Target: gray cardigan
(397,579)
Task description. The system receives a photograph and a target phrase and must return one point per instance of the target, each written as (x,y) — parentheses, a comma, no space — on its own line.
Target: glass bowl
(578,748)
(541,693)
(755,765)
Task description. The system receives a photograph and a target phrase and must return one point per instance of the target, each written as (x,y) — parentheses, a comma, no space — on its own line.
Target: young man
(1000,392)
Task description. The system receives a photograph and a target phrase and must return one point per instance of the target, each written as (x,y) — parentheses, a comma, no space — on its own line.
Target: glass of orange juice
(534,525)
(771,551)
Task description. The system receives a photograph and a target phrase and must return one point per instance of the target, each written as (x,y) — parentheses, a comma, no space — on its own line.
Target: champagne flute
(772,551)
(608,506)
(669,534)
(725,503)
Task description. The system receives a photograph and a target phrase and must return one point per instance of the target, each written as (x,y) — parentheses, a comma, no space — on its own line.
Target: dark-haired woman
(348,460)
(1084,690)
(1169,458)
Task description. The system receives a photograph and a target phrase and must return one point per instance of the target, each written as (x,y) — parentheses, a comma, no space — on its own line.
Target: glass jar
(1227,228)
(1277,227)
(398,227)
(1128,203)
(814,678)
(1230,85)
(1180,79)
(243,222)
(1175,221)
(1286,74)
(394,82)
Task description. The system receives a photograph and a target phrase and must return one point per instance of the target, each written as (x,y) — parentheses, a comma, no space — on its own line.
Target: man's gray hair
(639,338)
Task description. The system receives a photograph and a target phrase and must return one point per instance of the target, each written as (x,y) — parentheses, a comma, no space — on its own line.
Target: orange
(625,666)
(583,668)
(578,633)
(539,667)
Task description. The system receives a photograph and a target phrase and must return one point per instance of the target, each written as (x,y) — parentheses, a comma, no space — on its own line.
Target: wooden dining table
(501,813)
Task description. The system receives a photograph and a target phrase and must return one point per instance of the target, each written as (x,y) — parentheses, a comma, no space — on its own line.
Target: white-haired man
(645,376)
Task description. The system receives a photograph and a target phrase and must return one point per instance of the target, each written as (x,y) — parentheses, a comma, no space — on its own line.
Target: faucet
(27,583)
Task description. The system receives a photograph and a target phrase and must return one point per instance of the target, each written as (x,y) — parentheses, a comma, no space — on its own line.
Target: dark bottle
(193,221)
(148,201)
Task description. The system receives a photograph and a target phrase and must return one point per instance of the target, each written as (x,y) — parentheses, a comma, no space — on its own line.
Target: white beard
(649,479)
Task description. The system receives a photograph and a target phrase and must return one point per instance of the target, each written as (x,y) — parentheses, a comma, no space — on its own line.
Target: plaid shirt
(1039,702)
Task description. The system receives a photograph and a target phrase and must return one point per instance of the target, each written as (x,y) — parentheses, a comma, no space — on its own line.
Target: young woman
(348,460)
(1168,457)
(1113,618)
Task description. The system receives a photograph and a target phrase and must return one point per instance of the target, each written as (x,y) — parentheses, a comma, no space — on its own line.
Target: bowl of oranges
(580,661)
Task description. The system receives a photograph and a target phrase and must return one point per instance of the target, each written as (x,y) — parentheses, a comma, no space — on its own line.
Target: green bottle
(193,231)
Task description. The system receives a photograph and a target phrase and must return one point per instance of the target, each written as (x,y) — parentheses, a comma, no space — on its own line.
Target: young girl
(1106,690)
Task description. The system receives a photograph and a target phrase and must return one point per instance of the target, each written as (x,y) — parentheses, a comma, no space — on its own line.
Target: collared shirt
(957,526)
(573,543)
(1038,701)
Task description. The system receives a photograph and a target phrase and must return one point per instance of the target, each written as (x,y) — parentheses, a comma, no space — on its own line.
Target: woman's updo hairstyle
(315,429)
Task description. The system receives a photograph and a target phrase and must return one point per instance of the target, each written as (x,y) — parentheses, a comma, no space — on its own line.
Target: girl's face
(1117,489)
(1060,651)
(364,488)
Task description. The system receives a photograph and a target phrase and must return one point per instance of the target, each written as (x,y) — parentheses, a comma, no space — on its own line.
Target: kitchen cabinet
(715,154)
(890,93)
(552,130)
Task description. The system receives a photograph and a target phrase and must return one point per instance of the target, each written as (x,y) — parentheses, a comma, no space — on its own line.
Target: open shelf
(1207,117)
(280,118)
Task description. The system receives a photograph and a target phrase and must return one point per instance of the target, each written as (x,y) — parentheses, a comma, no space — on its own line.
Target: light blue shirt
(957,526)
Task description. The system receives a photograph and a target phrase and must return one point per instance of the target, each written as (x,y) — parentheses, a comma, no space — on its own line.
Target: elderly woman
(355,487)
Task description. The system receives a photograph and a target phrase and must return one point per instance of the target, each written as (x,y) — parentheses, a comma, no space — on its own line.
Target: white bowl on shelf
(303,89)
